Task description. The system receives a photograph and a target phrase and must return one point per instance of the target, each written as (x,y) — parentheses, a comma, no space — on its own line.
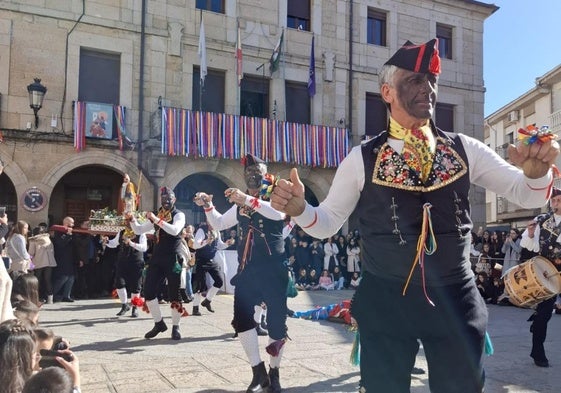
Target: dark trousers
(129,275)
(44,276)
(539,319)
(452,333)
(62,286)
(261,282)
(156,274)
(206,266)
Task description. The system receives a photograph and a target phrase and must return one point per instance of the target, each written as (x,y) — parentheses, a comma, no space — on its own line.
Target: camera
(48,358)
(2,211)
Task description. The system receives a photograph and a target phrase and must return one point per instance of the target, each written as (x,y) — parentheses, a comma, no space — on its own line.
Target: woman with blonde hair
(16,247)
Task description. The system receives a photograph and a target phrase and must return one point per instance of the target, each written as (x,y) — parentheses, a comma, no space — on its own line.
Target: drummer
(547,228)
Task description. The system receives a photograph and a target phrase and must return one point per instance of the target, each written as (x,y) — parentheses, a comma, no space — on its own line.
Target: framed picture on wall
(99,120)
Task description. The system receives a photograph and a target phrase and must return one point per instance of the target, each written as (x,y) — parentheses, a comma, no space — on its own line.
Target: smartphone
(48,358)
(2,211)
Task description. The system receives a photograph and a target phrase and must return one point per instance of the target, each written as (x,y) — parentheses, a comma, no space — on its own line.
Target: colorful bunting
(219,135)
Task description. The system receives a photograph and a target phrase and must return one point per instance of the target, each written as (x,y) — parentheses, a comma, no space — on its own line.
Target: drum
(531,282)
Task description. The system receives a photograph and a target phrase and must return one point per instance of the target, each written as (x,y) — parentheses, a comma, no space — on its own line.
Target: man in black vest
(130,263)
(262,275)
(410,185)
(165,263)
(541,237)
(206,243)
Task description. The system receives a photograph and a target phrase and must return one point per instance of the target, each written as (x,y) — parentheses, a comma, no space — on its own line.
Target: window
(444,35)
(211,5)
(444,117)
(376,114)
(298,14)
(100,77)
(376,27)
(213,91)
(297,102)
(254,100)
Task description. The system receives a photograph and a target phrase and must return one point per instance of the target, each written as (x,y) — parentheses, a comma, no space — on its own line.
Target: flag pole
(201,69)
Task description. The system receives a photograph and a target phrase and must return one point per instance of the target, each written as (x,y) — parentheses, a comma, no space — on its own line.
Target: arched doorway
(83,189)
(189,186)
(8,197)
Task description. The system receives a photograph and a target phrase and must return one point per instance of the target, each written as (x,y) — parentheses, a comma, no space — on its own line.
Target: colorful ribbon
(531,134)
(426,245)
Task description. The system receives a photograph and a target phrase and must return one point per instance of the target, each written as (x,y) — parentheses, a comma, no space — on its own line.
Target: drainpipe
(141,105)
(350,94)
(66,65)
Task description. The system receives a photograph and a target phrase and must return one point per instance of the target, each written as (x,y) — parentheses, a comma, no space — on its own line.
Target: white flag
(202,52)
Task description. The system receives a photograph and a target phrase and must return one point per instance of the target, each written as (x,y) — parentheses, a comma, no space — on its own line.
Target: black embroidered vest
(390,212)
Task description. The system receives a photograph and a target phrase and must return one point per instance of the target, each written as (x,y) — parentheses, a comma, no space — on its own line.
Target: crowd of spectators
(327,264)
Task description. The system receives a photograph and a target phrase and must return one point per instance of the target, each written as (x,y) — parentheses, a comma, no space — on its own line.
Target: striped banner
(220,135)
(79,126)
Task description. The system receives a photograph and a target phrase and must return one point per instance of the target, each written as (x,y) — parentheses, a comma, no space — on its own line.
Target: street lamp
(36,93)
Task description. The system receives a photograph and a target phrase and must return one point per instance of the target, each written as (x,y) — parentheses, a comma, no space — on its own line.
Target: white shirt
(486,169)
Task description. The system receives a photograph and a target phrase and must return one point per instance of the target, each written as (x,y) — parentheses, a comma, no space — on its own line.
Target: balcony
(555,122)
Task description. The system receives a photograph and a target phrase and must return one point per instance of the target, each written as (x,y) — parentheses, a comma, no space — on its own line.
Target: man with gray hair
(409,186)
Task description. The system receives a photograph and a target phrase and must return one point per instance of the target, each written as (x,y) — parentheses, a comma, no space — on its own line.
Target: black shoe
(417,371)
(196,311)
(235,335)
(274,378)
(124,309)
(260,379)
(206,303)
(175,335)
(189,299)
(541,363)
(159,327)
(261,331)
(68,300)
(134,313)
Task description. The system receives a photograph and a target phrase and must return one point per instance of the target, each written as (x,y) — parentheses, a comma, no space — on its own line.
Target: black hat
(165,191)
(555,192)
(250,160)
(417,58)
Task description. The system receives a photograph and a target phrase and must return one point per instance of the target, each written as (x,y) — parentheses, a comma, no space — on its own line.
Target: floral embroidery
(400,171)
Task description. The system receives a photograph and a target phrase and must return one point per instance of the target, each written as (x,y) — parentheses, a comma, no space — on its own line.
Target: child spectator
(16,247)
(338,279)
(50,380)
(313,282)
(18,355)
(26,287)
(325,281)
(302,280)
(484,286)
(483,265)
(42,251)
(302,254)
(317,255)
(26,311)
(355,281)
(353,258)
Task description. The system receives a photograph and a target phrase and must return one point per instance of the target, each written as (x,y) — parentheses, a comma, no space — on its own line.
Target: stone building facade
(155,46)
(541,106)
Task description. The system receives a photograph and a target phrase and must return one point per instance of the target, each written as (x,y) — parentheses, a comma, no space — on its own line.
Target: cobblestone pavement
(115,357)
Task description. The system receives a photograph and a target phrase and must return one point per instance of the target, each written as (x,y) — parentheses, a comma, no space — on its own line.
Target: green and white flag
(275,57)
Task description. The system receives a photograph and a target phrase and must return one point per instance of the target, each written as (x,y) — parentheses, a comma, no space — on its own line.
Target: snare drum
(531,282)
